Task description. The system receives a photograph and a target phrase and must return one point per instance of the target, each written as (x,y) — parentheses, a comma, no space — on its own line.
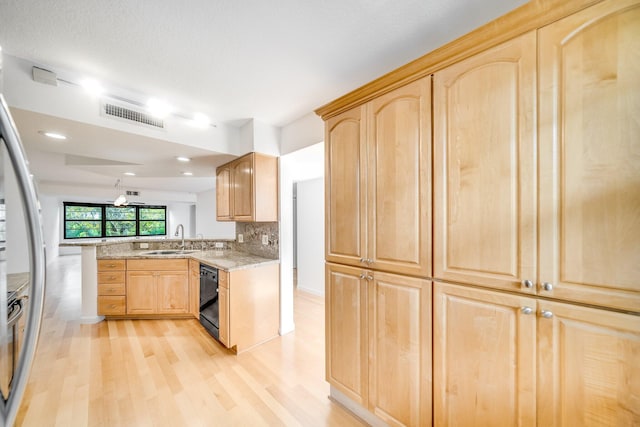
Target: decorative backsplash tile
(252,233)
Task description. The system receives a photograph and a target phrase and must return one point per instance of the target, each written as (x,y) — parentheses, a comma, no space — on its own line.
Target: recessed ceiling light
(130,173)
(92,87)
(187,173)
(159,108)
(183,159)
(53,135)
(200,120)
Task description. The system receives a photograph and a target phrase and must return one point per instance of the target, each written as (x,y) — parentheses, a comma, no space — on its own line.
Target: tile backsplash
(252,233)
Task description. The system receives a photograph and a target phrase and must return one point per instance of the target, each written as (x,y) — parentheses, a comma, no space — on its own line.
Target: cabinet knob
(527,283)
(369,277)
(547,286)
(362,276)
(526,310)
(369,261)
(362,260)
(546,314)
(112,277)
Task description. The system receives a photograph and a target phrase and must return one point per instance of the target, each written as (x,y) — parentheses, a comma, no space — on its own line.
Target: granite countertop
(17,282)
(223,259)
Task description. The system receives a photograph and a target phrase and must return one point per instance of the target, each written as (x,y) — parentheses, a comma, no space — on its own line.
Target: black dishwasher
(209,313)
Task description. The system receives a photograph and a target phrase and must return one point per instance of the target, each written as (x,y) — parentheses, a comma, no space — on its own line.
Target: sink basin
(168,252)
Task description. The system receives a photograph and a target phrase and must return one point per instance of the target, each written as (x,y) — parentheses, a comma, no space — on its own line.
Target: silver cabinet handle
(15,151)
(363,276)
(547,286)
(527,283)
(369,277)
(362,260)
(526,310)
(369,261)
(546,314)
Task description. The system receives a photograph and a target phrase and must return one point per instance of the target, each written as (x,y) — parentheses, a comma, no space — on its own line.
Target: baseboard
(355,408)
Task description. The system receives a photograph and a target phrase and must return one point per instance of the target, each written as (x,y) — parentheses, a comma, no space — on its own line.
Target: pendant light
(121,200)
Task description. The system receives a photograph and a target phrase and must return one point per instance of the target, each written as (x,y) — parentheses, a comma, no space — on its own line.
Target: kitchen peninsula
(155,278)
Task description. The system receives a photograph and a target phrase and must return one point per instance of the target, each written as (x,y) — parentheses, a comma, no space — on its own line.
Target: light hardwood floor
(171,372)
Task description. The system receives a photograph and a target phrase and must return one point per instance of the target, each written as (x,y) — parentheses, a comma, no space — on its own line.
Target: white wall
(179,213)
(52,225)
(206,223)
(310,235)
(304,132)
(304,164)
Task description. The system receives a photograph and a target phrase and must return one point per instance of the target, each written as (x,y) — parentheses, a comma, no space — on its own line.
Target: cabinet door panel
(588,367)
(346,331)
(484,180)
(400,349)
(173,292)
(242,194)
(399,184)
(141,292)
(223,194)
(590,156)
(345,188)
(484,358)
(223,315)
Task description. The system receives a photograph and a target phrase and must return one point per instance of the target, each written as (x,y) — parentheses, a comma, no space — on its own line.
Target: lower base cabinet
(378,334)
(157,287)
(249,306)
(504,360)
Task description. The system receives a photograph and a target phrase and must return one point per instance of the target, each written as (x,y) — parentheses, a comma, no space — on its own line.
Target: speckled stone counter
(223,259)
(17,282)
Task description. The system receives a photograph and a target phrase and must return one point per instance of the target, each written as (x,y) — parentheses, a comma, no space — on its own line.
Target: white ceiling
(273,61)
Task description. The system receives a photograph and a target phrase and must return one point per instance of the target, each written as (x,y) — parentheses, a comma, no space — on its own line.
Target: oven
(15,311)
(209,310)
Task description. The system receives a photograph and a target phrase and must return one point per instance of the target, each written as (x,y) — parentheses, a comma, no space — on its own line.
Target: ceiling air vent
(133,193)
(119,112)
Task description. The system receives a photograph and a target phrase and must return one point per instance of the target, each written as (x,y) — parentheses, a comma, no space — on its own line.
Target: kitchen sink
(168,252)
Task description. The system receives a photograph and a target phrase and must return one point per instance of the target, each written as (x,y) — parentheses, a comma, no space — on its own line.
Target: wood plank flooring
(171,372)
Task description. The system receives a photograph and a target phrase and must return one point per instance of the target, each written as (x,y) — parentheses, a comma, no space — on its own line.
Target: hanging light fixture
(121,200)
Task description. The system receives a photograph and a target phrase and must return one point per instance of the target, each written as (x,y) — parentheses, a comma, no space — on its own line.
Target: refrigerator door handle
(9,136)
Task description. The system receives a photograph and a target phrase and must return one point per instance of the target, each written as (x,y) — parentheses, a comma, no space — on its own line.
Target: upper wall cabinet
(590,156)
(247,189)
(484,180)
(378,183)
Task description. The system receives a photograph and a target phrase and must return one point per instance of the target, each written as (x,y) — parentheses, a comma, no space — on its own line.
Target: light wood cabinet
(536,206)
(378,185)
(484,170)
(399,323)
(589,156)
(549,363)
(194,288)
(249,306)
(223,307)
(484,357)
(157,287)
(247,189)
(111,287)
(588,367)
(223,193)
(379,342)
(346,332)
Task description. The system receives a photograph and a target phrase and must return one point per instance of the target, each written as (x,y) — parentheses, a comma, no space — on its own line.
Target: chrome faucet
(180,227)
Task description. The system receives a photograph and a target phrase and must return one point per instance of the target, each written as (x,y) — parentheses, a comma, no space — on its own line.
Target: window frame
(103,221)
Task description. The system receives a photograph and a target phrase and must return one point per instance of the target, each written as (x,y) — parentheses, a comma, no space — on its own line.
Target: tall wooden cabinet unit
(378,186)
(536,201)
(484,351)
(590,156)
(484,167)
(247,189)
(379,342)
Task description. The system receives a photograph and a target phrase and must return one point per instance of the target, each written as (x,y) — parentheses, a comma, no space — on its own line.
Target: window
(91,220)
